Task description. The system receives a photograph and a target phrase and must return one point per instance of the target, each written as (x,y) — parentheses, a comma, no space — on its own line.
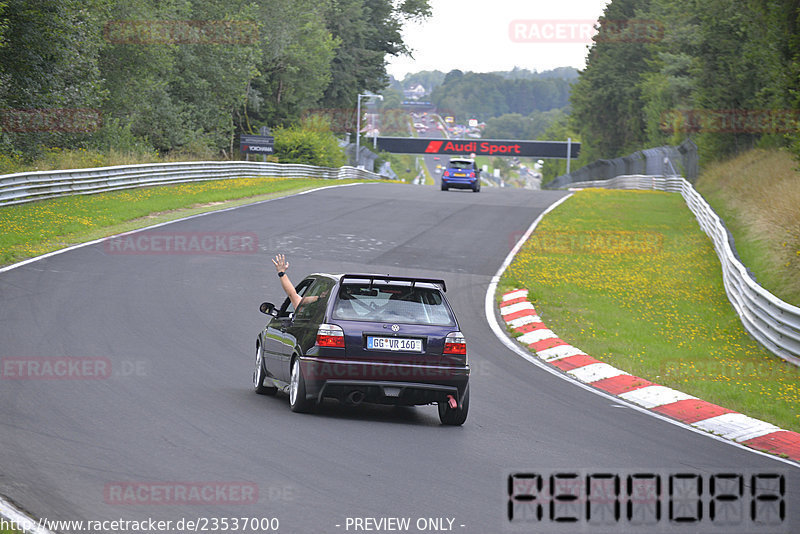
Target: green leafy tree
(49,63)
(392,99)
(560,130)
(429,79)
(517,126)
(5,144)
(486,95)
(748,61)
(137,74)
(296,64)
(193,91)
(606,99)
(368,31)
(728,75)
(310,142)
(719,59)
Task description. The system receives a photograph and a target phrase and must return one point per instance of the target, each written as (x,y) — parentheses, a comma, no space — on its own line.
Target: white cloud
(473,35)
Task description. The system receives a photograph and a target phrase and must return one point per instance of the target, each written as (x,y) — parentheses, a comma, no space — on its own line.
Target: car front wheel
(297,390)
(455,416)
(259,374)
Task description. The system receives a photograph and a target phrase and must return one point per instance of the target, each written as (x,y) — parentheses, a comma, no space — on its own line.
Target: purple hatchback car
(365,338)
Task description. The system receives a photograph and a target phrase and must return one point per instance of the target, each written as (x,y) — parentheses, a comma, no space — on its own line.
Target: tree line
(468,95)
(724,72)
(172,75)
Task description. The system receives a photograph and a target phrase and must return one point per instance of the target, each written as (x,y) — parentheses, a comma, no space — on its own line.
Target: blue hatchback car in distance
(461,173)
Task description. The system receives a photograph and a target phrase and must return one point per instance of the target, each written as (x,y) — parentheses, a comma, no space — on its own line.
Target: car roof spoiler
(388,278)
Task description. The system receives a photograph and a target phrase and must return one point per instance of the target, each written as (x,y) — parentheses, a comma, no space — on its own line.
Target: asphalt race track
(178,331)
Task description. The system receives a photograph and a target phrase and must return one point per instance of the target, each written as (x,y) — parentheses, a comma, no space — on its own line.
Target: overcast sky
(490,35)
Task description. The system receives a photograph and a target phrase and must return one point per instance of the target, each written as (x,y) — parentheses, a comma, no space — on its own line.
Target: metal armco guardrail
(657,161)
(773,322)
(29,186)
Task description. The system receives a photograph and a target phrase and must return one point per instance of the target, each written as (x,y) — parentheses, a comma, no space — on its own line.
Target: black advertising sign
(479,147)
(256,144)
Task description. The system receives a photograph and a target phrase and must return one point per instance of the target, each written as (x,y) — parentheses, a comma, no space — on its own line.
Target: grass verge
(404,165)
(757,194)
(629,278)
(32,229)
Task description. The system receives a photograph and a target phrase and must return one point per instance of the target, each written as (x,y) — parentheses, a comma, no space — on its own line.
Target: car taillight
(447,173)
(455,343)
(472,175)
(330,335)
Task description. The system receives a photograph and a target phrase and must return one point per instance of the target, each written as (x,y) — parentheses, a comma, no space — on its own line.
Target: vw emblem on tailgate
(395,327)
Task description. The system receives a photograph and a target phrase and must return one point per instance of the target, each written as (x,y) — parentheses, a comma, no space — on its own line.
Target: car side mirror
(268,308)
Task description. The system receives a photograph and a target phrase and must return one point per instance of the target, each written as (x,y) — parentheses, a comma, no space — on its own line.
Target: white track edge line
(527,355)
(23,522)
(7,509)
(129,232)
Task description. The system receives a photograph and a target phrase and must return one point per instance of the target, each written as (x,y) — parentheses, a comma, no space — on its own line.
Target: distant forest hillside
(482,96)
(431,79)
(515,104)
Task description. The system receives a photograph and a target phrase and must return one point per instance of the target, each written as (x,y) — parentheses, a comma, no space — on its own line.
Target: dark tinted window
(312,307)
(460,164)
(301,289)
(392,304)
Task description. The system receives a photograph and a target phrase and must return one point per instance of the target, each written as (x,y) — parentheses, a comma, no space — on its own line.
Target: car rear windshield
(392,304)
(455,164)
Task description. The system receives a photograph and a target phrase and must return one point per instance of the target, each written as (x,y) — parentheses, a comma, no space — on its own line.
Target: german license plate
(399,344)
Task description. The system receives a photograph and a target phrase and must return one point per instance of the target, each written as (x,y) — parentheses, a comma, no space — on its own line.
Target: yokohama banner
(479,147)
(256,144)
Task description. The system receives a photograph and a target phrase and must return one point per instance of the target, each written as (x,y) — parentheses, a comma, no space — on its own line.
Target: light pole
(358,122)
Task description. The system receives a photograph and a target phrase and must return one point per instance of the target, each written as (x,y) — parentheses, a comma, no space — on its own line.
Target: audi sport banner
(479,147)
(256,144)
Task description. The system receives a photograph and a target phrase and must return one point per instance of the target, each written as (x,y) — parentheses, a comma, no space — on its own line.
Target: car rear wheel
(259,374)
(444,187)
(297,390)
(455,416)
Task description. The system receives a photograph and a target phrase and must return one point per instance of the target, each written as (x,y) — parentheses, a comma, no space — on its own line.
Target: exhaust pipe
(355,397)
(452,402)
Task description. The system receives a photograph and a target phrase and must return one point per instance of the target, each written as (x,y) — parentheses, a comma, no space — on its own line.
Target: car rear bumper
(382,383)
(459,182)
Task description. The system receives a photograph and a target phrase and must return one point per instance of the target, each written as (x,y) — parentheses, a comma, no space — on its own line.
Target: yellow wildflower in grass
(659,310)
(35,228)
